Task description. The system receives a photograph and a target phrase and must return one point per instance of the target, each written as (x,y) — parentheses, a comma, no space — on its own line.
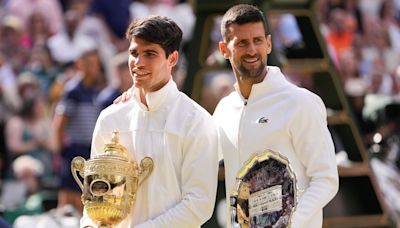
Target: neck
(88,81)
(245,87)
(246,83)
(143,97)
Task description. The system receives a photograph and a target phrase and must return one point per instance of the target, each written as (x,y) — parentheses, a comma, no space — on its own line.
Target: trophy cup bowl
(110,182)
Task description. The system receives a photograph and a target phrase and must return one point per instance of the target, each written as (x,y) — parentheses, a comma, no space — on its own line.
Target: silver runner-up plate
(265,192)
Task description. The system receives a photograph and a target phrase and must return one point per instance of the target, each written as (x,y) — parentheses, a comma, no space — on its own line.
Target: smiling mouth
(140,74)
(251,59)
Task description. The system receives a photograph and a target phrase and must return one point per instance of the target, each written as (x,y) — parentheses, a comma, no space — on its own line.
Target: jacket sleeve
(314,147)
(198,178)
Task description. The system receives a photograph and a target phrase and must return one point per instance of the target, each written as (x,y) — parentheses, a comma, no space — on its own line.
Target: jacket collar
(158,99)
(273,81)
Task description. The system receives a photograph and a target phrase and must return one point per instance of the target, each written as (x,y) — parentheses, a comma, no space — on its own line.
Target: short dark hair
(241,14)
(156,29)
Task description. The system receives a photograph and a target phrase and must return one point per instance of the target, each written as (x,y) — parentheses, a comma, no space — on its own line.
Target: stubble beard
(251,73)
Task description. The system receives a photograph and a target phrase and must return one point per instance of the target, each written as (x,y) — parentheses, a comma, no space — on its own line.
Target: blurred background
(346,51)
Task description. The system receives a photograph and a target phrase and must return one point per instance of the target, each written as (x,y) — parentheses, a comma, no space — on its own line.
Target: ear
(269,44)
(173,59)
(223,48)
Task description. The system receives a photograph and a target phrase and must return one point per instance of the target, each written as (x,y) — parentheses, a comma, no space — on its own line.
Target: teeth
(140,74)
(250,60)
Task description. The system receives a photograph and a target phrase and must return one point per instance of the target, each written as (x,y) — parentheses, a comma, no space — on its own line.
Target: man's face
(149,67)
(247,49)
(90,65)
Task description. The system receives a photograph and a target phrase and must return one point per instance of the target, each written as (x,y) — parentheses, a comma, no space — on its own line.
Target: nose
(251,49)
(136,61)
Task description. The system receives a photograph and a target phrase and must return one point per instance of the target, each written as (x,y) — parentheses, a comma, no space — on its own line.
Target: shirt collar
(157,99)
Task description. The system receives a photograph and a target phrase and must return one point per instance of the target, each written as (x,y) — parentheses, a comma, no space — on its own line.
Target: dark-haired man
(162,123)
(268,112)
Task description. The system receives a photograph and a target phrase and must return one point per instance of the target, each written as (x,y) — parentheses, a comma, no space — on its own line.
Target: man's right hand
(124,97)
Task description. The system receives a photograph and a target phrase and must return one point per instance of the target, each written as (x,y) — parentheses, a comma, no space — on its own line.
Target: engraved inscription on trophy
(110,182)
(265,192)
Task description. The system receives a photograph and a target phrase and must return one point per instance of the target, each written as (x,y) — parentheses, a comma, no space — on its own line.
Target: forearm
(318,160)
(311,202)
(188,213)
(21,147)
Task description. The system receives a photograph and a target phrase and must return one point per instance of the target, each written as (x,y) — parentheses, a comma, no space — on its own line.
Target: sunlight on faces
(247,49)
(148,65)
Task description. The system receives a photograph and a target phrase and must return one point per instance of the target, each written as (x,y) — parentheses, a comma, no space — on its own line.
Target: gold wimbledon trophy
(110,182)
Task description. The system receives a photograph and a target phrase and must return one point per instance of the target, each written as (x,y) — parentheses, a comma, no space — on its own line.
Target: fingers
(125,97)
(117,100)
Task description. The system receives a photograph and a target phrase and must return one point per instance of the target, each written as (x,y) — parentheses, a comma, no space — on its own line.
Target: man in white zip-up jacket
(268,112)
(162,123)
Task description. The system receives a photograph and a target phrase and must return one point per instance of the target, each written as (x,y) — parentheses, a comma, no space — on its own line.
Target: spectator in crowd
(38,31)
(23,197)
(116,25)
(28,132)
(11,32)
(74,120)
(66,46)
(181,13)
(91,26)
(49,9)
(120,84)
(44,68)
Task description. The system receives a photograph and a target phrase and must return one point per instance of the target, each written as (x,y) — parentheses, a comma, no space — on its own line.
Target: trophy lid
(114,148)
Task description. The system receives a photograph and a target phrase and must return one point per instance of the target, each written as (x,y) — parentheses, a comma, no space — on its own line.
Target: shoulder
(228,102)
(117,113)
(301,97)
(186,116)
(188,107)
(307,105)
(72,84)
(72,88)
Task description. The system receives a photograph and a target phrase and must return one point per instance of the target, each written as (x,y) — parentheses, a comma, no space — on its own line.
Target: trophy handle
(78,164)
(146,167)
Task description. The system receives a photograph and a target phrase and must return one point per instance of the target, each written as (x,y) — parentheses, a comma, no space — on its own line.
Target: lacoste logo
(262,120)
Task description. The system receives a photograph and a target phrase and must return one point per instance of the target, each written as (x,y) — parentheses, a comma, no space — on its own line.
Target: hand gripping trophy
(110,182)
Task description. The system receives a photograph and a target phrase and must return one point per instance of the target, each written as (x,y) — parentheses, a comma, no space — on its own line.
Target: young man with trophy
(161,126)
(280,167)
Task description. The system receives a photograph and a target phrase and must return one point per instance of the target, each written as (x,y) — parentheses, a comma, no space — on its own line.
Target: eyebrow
(148,50)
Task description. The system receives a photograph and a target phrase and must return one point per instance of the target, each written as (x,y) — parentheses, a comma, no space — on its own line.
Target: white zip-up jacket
(182,139)
(287,119)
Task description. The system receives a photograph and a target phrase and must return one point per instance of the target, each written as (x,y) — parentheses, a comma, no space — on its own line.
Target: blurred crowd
(362,38)
(363,42)
(59,57)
